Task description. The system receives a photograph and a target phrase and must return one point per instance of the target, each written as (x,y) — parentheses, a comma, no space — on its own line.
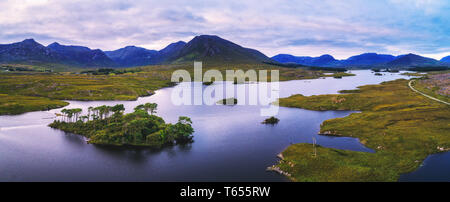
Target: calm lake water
(230,143)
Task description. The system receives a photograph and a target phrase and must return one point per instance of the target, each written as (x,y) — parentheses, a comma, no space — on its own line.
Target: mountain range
(80,56)
(446,59)
(206,48)
(131,56)
(364,60)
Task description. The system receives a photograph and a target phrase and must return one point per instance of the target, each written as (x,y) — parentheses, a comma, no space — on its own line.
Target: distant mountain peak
(54,44)
(326,56)
(213,49)
(412,55)
(30,40)
(173,47)
(411,59)
(367,59)
(132,47)
(205,36)
(446,59)
(326,60)
(133,56)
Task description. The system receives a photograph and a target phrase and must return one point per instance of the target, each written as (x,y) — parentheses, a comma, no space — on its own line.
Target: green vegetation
(403,128)
(107,125)
(386,70)
(429,68)
(376,70)
(272,120)
(393,70)
(108,84)
(228,101)
(109,71)
(412,74)
(48,88)
(331,69)
(339,75)
(22,68)
(17,104)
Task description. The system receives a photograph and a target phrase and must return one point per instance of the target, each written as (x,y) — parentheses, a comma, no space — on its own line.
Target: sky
(341,28)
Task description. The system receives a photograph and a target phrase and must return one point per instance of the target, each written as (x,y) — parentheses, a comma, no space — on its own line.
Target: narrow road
(433,98)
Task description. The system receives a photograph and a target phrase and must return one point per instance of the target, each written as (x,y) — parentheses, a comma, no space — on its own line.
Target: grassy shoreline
(49,89)
(18,104)
(401,126)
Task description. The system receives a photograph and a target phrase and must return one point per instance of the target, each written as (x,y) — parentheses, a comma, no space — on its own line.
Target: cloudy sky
(308,27)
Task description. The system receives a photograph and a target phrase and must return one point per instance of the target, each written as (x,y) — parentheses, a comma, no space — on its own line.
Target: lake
(230,143)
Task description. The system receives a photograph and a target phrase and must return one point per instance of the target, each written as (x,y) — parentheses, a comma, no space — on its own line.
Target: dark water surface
(230,143)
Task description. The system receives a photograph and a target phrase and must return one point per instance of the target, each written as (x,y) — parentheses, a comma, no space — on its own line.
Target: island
(228,101)
(339,75)
(272,120)
(208,83)
(108,125)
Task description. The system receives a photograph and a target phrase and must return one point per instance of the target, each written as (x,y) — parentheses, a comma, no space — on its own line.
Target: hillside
(80,56)
(326,60)
(368,59)
(31,52)
(411,60)
(28,51)
(446,59)
(133,56)
(321,61)
(213,49)
(207,48)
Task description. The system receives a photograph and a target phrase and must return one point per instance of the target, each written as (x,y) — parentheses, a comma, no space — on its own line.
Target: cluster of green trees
(107,71)
(272,120)
(94,113)
(12,69)
(109,125)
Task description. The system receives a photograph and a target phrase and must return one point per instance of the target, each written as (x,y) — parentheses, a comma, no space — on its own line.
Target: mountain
(206,48)
(325,61)
(172,48)
(368,59)
(133,56)
(363,60)
(213,49)
(27,51)
(446,59)
(411,60)
(31,52)
(81,56)
(321,61)
(286,58)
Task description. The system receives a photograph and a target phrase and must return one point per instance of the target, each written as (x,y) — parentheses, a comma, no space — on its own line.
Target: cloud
(307,27)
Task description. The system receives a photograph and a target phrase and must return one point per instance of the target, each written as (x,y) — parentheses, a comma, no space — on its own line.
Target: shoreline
(385,151)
